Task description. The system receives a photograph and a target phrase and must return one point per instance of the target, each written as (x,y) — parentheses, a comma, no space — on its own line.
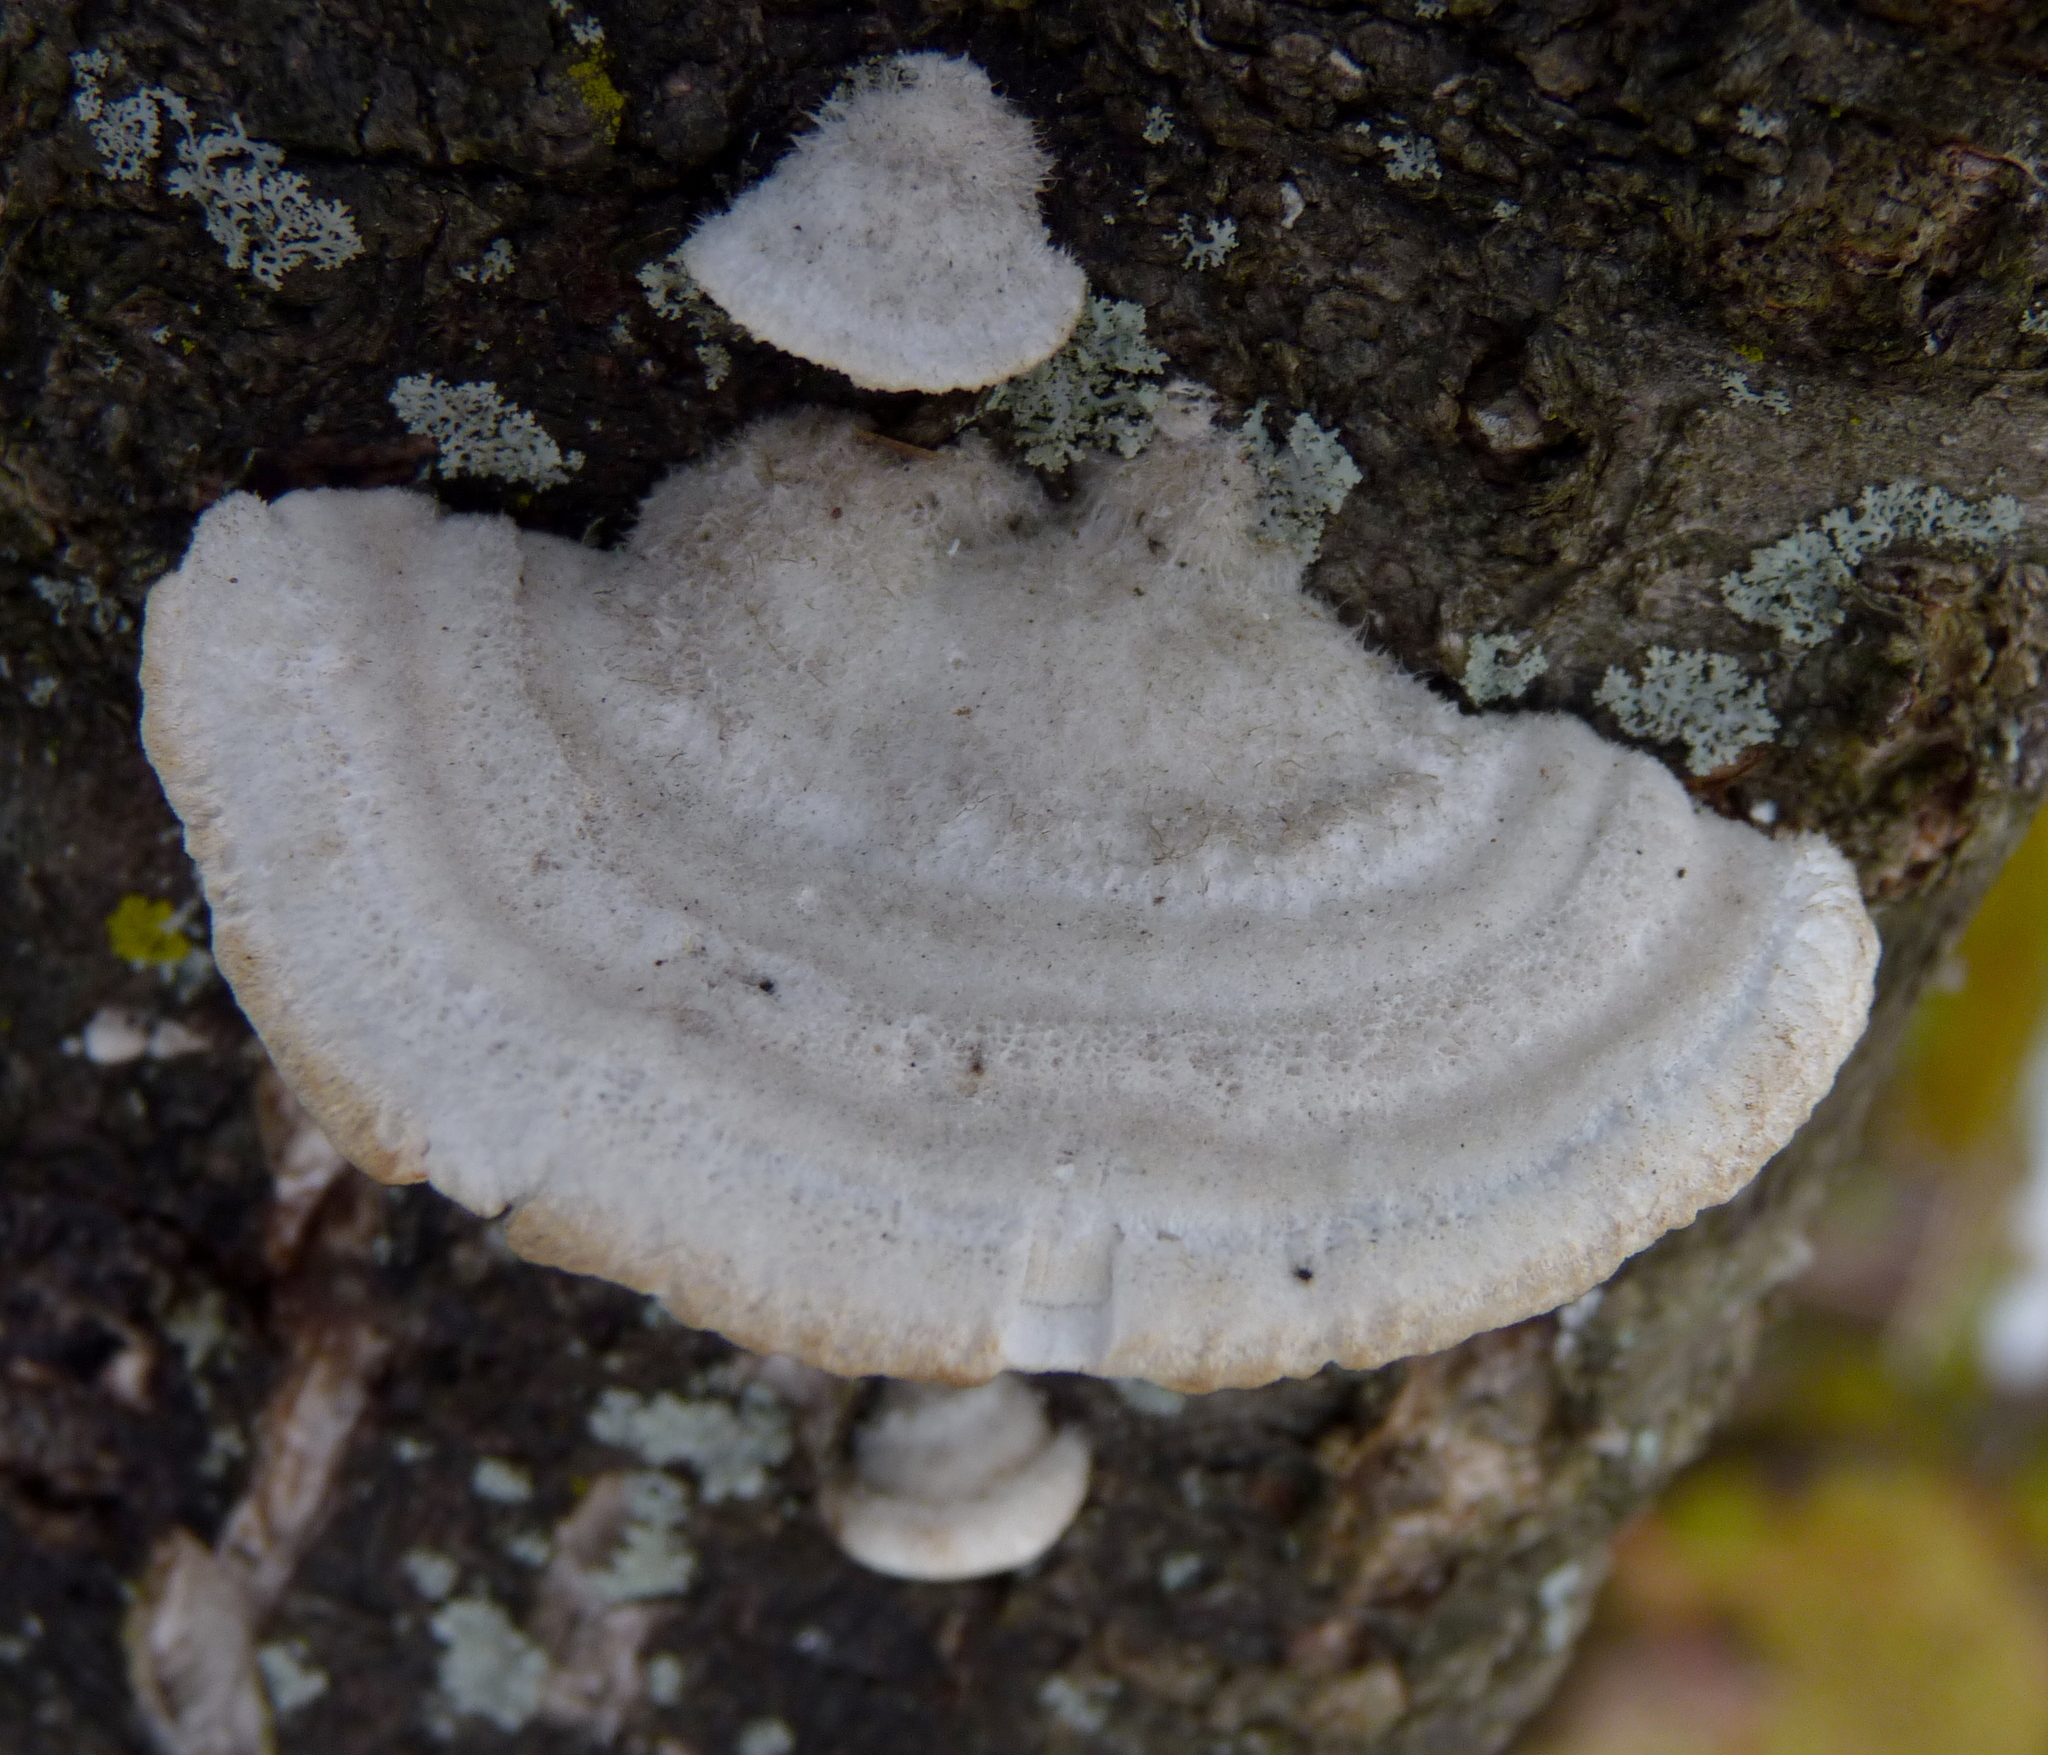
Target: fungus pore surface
(924,928)
(900,241)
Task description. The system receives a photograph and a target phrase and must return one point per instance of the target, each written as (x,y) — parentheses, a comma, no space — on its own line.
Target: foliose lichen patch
(1703,700)
(731,1449)
(1307,479)
(1093,394)
(265,217)
(1795,584)
(1492,675)
(478,432)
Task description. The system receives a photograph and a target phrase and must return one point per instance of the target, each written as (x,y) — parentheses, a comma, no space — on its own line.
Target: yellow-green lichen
(142,932)
(605,102)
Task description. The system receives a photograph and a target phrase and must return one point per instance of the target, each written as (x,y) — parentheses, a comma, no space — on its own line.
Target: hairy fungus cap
(900,240)
(927,929)
(957,1483)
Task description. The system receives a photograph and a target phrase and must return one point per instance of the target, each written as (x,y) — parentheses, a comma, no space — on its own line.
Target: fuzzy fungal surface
(1507,253)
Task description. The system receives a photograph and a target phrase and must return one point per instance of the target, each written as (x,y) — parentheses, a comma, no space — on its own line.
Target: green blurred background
(1859,1566)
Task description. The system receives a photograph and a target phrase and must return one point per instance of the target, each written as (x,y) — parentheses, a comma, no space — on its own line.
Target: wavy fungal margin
(919,927)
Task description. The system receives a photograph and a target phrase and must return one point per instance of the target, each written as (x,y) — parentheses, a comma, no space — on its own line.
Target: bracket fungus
(957,1483)
(925,928)
(900,242)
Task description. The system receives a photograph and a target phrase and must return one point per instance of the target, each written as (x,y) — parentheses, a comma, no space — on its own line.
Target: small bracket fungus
(957,1483)
(900,240)
(925,928)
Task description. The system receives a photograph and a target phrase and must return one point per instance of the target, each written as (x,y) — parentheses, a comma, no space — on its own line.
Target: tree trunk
(1603,296)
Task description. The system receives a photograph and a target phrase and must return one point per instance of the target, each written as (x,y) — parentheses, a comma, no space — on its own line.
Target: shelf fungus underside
(927,929)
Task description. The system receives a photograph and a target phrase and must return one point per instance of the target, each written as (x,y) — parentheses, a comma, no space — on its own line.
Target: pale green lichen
(1212,249)
(493,265)
(432,1574)
(651,1559)
(1149,1399)
(1563,1596)
(1703,700)
(1411,158)
(1080,1703)
(1795,584)
(124,131)
(1158,125)
(264,216)
(1742,394)
(529,1547)
(730,1449)
(765,1736)
(85,600)
(501,1482)
(1091,395)
(477,432)
(1306,480)
(672,292)
(489,1669)
(1491,675)
(290,1677)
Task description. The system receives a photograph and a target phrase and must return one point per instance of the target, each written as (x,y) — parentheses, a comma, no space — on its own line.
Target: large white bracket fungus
(928,930)
(957,1483)
(900,240)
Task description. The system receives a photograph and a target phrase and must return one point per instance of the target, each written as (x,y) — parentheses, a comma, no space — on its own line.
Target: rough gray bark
(1840,201)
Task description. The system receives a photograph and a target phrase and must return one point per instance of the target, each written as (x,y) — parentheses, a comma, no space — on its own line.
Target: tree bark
(1666,282)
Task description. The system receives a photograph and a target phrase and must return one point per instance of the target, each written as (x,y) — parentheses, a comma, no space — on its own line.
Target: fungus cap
(927,929)
(900,242)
